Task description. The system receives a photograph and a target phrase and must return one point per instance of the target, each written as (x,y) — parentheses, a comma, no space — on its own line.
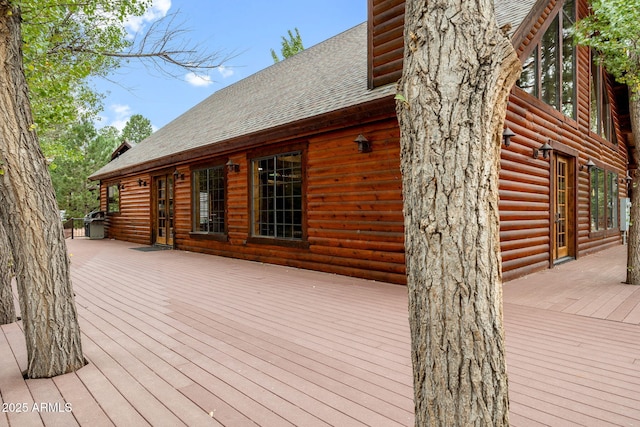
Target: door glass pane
(561,207)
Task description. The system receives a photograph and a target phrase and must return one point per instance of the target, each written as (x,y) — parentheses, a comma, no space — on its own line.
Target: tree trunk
(7,307)
(458,72)
(30,216)
(633,236)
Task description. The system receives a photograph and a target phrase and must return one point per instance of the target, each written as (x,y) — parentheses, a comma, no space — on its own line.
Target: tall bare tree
(70,41)
(30,215)
(458,71)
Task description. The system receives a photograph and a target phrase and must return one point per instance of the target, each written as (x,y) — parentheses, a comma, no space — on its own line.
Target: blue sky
(249,28)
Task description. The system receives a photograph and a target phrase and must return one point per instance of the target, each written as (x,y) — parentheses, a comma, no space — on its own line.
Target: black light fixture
(233,167)
(177,175)
(506,136)
(142,183)
(545,148)
(627,179)
(588,165)
(364,146)
(120,186)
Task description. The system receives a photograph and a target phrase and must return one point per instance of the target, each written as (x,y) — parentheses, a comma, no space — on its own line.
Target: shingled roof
(327,77)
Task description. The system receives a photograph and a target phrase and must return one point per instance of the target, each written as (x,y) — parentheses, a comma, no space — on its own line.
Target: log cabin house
(298,164)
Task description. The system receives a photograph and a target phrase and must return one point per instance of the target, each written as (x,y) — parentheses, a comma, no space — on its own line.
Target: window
(549,72)
(113,198)
(209,200)
(600,112)
(604,200)
(277,196)
(612,200)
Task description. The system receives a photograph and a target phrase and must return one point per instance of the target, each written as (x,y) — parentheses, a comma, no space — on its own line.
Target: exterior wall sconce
(364,146)
(627,179)
(120,186)
(177,175)
(142,183)
(588,165)
(545,149)
(233,167)
(506,136)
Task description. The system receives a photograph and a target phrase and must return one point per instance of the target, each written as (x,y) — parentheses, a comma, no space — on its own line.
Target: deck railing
(74,227)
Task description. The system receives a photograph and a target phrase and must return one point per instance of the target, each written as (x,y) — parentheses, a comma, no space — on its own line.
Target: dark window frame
(601,121)
(603,201)
(278,217)
(113,198)
(560,92)
(216,204)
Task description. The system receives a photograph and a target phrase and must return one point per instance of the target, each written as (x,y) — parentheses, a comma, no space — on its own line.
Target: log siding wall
(354,222)
(353,201)
(526,204)
(386,44)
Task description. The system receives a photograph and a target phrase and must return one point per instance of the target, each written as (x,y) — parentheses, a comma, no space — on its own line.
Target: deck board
(176,338)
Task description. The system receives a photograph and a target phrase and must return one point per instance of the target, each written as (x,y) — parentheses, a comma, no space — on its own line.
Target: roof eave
(356,114)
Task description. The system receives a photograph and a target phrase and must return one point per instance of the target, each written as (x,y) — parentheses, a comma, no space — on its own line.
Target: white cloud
(158,9)
(197,80)
(225,72)
(122,114)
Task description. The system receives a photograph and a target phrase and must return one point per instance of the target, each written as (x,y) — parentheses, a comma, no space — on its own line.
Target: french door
(563,209)
(163,224)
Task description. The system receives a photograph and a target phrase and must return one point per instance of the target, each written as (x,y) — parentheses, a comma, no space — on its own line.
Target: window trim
(609,202)
(117,187)
(605,131)
(535,48)
(215,235)
(261,153)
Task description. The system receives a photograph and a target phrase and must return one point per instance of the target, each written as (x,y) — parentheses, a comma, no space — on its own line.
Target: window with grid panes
(277,196)
(209,200)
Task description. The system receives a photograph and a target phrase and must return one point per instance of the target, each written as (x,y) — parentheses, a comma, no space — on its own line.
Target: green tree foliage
(289,47)
(84,151)
(613,31)
(81,150)
(137,128)
(67,42)
(64,43)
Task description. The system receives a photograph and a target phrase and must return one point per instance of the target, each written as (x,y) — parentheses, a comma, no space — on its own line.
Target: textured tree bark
(458,72)
(633,236)
(7,308)
(29,212)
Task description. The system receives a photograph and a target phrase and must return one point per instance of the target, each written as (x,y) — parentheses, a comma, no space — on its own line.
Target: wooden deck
(177,338)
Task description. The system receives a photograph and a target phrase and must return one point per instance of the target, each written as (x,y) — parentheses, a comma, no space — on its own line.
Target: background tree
(60,37)
(458,71)
(59,41)
(82,150)
(613,31)
(29,215)
(137,128)
(289,47)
